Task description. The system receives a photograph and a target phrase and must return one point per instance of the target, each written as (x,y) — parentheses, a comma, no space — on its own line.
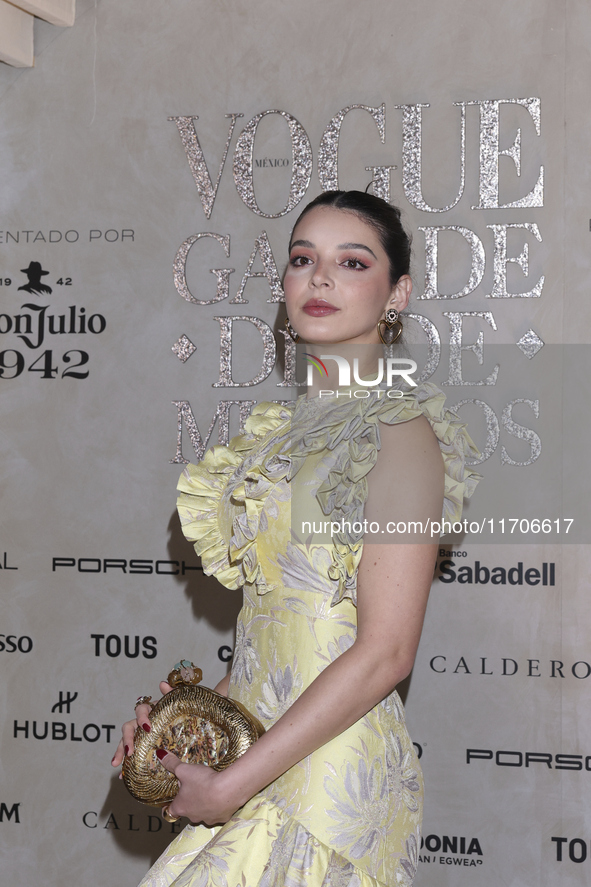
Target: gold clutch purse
(196,724)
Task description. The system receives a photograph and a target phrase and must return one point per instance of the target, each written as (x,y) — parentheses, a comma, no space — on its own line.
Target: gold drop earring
(390,327)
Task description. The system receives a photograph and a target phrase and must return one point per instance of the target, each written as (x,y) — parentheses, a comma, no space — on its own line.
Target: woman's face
(337,284)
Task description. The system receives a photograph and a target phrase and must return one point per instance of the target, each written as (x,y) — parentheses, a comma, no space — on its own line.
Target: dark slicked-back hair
(382,216)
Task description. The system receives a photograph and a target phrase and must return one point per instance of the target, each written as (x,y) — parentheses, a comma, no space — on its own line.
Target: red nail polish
(161,753)
(146,727)
(113,758)
(126,750)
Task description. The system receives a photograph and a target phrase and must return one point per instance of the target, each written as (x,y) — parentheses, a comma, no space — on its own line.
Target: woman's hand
(205,795)
(126,746)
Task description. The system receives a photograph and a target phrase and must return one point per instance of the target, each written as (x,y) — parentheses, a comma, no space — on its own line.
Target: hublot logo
(60,731)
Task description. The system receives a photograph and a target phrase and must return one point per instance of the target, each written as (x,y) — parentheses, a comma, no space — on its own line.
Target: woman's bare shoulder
(412,442)
(407,481)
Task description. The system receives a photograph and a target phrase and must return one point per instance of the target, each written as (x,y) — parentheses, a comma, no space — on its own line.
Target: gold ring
(167,816)
(144,700)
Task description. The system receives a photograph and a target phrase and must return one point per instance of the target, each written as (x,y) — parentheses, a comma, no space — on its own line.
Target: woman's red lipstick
(319,308)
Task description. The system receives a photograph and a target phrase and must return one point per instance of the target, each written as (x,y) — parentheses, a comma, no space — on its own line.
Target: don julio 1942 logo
(34,323)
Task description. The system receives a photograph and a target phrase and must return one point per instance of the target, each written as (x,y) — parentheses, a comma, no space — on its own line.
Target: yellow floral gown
(349,814)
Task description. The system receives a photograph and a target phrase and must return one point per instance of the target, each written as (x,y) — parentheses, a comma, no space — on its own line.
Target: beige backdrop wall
(100,594)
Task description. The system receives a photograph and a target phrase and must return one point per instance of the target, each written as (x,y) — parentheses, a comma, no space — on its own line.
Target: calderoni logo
(454,850)
(130,822)
(506,666)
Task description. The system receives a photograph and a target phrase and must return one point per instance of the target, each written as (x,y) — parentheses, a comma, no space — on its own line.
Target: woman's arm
(393,587)
(223,685)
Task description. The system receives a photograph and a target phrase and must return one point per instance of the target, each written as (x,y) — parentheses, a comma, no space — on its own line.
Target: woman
(332,793)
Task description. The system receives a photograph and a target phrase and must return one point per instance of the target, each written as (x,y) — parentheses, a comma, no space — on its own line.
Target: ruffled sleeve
(344,492)
(211,504)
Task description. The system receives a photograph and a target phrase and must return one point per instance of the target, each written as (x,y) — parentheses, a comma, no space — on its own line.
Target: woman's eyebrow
(309,245)
(357,246)
(306,243)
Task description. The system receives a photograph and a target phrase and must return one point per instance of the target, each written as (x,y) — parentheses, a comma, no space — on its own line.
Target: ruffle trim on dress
(204,486)
(263,846)
(348,428)
(252,493)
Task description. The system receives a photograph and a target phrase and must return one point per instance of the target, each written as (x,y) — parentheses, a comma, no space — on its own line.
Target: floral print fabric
(350,813)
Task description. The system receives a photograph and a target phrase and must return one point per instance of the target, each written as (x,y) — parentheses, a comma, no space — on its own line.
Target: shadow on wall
(211,602)
(138,830)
